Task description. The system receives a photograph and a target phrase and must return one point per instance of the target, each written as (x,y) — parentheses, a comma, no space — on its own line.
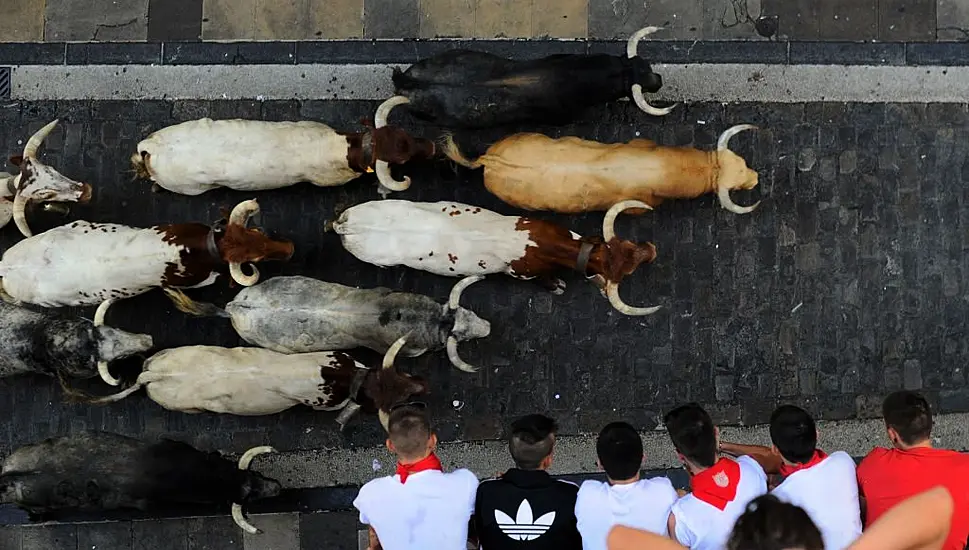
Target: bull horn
(240,216)
(391,354)
(612,292)
(246,459)
(454,301)
(631,51)
(383,111)
(609,221)
(381,167)
(20,214)
(241,520)
(384,419)
(723,193)
(103,365)
(33,144)
(452,354)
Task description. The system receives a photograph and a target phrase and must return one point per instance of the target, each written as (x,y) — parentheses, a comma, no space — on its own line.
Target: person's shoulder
(566,486)
(841,459)
(373,487)
(463,476)
(873,457)
(750,464)
(590,488)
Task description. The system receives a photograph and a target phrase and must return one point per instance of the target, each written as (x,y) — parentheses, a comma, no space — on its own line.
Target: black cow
(95,471)
(467,89)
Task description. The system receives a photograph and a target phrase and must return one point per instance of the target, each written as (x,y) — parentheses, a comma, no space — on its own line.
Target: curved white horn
(633,43)
(241,521)
(391,354)
(240,216)
(33,144)
(246,459)
(382,168)
(239,276)
(612,292)
(103,370)
(643,104)
(20,214)
(383,111)
(725,201)
(454,300)
(727,134)
(452,354)
(609,221)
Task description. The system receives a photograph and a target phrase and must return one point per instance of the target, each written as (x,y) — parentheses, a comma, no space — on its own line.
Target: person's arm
(626,538)
(374,542)
(671,526)
(918,523)
(768,459)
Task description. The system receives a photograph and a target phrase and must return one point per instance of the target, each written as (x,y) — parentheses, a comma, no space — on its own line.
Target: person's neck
(408,461)
(924,444)
(695,469)
(629,481)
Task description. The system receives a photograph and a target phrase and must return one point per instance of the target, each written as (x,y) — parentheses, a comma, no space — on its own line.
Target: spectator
(419,507)
(889,476)
(625,499)
(824,486)
(721,487)
(526,507)
(770,523)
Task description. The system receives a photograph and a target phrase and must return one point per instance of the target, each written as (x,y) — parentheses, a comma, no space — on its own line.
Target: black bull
(94,471)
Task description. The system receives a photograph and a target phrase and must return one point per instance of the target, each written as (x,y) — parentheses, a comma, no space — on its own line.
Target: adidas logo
(522,527)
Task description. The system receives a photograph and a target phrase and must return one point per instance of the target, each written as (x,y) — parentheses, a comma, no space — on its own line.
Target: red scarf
(717,485)
(429,463)
(788,469)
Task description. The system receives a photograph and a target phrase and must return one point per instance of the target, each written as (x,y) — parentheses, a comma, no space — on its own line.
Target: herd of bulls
(303,326)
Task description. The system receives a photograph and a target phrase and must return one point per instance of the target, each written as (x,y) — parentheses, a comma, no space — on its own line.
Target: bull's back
(245,155)
(85,263)
(446,238)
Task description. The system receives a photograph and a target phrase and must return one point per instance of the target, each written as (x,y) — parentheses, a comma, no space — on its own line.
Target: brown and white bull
(569,174)
(255,155)
(85,264)
(455,240)
(35,182)
(257,381)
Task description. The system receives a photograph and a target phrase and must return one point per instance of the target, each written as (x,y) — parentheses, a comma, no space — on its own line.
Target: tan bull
(568,174)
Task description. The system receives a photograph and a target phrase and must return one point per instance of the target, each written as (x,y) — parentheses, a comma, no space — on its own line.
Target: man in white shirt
(624,499)
(720,487)
(419,507)
(823,485)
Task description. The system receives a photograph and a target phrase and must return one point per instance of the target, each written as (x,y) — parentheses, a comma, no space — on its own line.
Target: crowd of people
(790,496)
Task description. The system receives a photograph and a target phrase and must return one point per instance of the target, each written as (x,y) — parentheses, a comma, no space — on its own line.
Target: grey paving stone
(617,20)
(907,20)
(214,533)
(87,20)
(11,537)
(279,532)
(163,534)
(730,19)
(171,20)
(797,19)
(105,536)
(49,537)
(855,20)
(391,19)
(335,530)
(952,20)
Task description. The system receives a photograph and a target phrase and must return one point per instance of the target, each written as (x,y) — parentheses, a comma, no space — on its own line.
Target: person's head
(793,433)
(908,419)
(620,451)
(769,524)
(410,435)
(693,434)
(531,442)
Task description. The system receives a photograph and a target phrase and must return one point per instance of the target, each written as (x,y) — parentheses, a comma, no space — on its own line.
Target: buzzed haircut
(693,434)
(793,432)
(770,524)
(908,413)
(409,429)
(620,450)
(532,439)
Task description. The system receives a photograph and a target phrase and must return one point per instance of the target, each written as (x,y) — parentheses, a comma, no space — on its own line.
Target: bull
(302,315)
(255,155)
(35,182)
(84,264)
(454,239)
(256,381)
(467,89)
(59,345)
(570,175)
(93,471)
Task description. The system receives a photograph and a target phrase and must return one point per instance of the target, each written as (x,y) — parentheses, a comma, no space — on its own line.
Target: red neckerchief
(788,469)
(717,485)
(429,463)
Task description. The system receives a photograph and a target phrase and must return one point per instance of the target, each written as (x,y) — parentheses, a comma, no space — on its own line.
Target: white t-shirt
(642,505)
(828,492)
(702,526)
(431,510)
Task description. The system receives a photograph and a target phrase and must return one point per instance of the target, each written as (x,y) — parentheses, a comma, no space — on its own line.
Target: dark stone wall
(845,284)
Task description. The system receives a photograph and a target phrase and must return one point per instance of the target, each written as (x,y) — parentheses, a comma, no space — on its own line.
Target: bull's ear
(17,160)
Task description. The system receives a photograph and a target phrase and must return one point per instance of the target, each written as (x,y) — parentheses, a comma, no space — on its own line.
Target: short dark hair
(532,439)
(909,414)
(620,450)
(769,524)
(409,429)
(793,432)
(693,434)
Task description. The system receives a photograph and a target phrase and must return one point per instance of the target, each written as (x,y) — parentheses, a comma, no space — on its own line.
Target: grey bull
(302,315)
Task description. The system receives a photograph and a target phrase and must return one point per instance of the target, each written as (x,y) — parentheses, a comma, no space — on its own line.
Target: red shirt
(886,477)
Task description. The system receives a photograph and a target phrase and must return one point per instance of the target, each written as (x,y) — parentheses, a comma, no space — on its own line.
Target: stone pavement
(169,20)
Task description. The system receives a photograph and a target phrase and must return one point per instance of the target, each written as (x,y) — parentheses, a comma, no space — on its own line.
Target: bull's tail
(450,149)
(73,395)
(139,166)
(191,307)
